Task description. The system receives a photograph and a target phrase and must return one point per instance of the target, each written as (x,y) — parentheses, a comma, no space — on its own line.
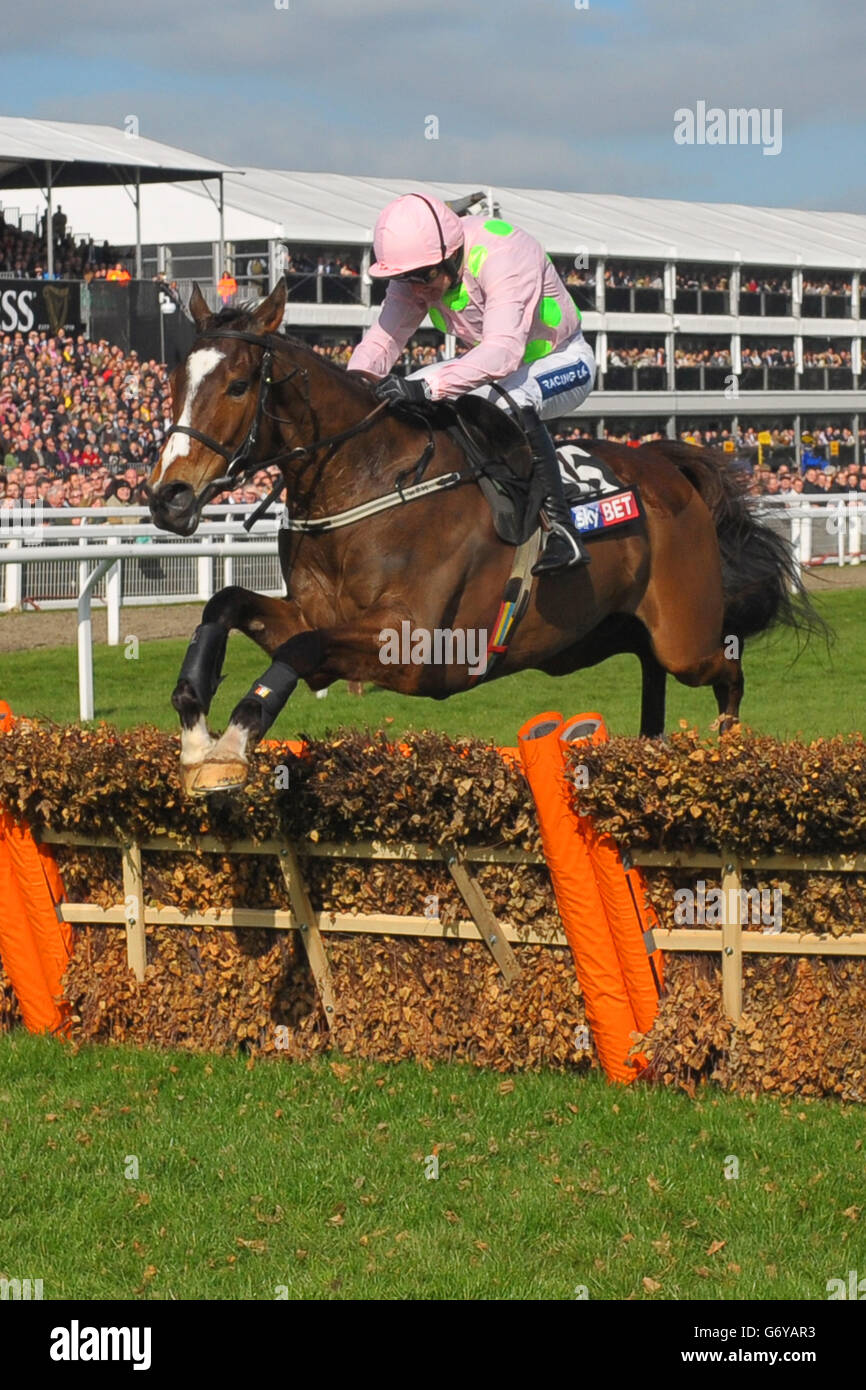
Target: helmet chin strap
(452,265)
(454,268)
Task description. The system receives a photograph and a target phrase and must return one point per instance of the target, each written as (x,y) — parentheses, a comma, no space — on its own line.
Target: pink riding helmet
(412,232)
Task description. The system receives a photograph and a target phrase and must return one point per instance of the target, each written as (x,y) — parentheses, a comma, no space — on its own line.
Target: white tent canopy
(340,209)
(58,154)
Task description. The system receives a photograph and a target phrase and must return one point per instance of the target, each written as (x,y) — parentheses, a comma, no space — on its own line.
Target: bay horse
(681,589)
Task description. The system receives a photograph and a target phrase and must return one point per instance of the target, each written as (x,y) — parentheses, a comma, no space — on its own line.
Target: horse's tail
(761,577)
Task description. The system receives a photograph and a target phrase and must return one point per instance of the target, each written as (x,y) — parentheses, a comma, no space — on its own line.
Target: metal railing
(821,530)
(703,376)
(766,303)
(643,376)
(71,565)
(46,553)
(634,299)
(315,287)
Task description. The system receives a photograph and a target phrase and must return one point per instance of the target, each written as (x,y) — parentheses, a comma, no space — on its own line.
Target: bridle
(239,464)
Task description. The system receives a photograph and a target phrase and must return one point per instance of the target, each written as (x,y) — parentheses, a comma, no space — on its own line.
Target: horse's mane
(240,316)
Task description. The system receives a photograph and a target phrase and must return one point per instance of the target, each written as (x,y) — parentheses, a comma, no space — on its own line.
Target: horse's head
(216,396)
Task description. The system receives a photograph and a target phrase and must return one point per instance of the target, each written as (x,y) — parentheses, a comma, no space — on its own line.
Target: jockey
(491,285)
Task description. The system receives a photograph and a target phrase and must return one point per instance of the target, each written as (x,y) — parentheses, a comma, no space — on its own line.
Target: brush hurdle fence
(731,942)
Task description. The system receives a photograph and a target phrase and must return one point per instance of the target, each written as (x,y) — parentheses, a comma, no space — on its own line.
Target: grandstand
(714,321)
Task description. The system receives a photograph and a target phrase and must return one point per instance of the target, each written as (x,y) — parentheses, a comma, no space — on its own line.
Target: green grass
(786,695)
(253,1177)
(291,1175)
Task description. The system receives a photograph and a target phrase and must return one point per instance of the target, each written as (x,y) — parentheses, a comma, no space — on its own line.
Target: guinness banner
(47,306)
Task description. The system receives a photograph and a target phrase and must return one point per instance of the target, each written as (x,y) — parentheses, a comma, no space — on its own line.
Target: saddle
(500,460)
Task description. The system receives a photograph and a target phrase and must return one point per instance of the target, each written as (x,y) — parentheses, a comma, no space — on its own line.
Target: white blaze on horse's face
(199,366)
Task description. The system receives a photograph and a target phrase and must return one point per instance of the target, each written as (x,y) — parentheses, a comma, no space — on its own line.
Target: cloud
(526,93)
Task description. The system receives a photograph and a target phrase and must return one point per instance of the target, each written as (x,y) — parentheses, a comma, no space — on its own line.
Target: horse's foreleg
(317,655)
(196,686)
(201,671)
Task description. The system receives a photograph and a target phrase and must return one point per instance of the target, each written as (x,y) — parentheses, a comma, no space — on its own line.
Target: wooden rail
(731,941)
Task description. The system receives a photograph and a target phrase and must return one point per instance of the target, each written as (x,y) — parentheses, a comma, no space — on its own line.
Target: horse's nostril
(175,497)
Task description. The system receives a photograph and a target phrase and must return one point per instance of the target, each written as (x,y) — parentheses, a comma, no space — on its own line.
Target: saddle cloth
(596,496)
(496,451)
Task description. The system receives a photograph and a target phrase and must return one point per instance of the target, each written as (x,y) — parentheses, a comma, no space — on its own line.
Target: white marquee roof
(342,208)
(89,154)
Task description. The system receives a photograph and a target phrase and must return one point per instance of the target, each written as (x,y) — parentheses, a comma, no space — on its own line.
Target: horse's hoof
(188,774)
(218,775)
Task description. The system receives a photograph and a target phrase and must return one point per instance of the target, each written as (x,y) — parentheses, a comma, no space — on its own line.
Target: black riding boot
(563,548)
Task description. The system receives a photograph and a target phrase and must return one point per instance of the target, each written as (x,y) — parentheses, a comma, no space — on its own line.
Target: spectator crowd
(700,278)
(830,284)
(717,356)
(636,355)
(80,422)
(760,283)
(22,253)
(633,278)
(827,357)
(310,262)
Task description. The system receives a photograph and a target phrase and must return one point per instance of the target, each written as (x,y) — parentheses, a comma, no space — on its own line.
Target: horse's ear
(269,314)
(198,308)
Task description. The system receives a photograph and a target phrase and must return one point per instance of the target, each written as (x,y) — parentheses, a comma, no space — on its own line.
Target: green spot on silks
(536,348)
(456,299)
(475,260)
(550,312)
(438,319)
(498,227)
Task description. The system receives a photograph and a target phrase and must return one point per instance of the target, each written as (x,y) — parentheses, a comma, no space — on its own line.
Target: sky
(577,95)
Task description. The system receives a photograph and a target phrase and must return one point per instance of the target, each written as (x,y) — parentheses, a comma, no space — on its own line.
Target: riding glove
(399,389)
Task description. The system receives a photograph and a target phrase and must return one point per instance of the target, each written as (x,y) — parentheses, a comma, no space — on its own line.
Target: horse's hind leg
(687,652)
(725,674)
(683,609)
(652,698)
(201,670)
(728,690)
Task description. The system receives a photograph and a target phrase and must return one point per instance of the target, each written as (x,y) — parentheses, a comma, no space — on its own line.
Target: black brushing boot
(563,548)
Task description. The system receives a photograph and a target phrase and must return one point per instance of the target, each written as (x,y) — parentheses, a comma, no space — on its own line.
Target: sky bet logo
(605,511)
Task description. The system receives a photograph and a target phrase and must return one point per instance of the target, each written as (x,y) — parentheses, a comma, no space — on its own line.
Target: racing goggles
(425,275)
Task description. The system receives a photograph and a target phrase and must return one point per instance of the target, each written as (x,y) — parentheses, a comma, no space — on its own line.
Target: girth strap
(312,526)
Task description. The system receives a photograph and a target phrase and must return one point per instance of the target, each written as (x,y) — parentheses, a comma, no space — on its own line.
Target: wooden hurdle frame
(731,941)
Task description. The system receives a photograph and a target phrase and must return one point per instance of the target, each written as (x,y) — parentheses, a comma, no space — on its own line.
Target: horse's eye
(238,388)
